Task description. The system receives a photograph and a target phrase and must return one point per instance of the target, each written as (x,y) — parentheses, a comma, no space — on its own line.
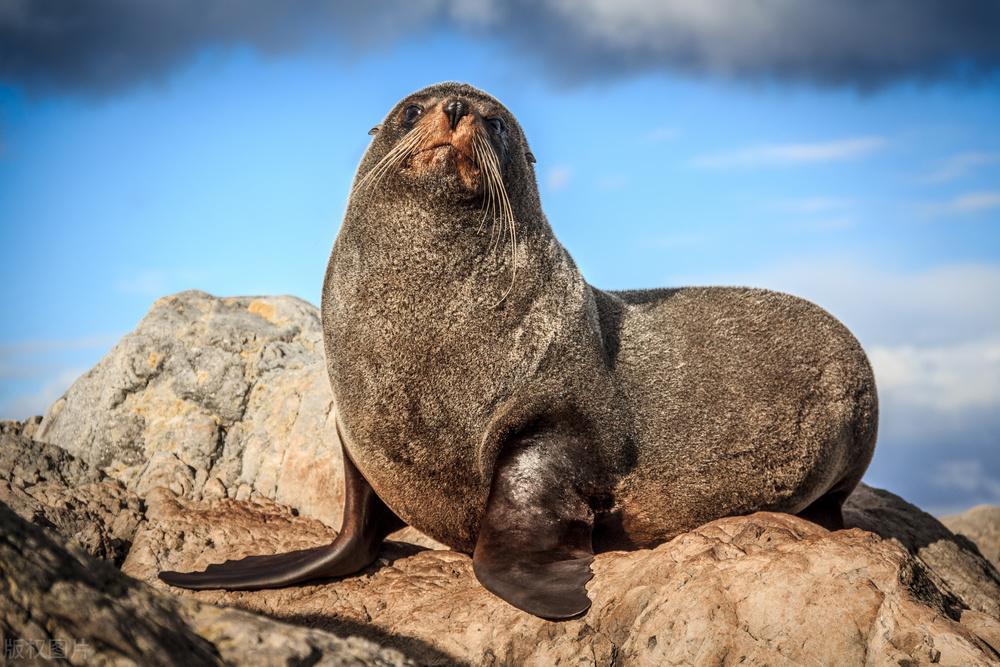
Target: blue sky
(228,171)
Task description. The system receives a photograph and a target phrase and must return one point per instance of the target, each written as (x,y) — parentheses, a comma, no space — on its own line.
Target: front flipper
(367,522)
(534,547)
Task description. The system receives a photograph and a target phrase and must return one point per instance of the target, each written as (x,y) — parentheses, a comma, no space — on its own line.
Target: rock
(762,589)
(208,433)
(981,524)
(54,489)
(25,461)
(954,561)
(58,602)
(228,390)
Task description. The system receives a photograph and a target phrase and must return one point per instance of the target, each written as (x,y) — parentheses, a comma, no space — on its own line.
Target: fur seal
(489,396)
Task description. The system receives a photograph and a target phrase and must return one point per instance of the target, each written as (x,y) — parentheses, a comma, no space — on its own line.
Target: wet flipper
(535,543)
(367,522)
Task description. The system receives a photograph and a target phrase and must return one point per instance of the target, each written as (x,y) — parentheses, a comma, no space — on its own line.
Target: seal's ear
(374,130)
(530,156)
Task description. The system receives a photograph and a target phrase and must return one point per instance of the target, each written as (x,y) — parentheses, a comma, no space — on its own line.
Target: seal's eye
(411,114)
(496,124)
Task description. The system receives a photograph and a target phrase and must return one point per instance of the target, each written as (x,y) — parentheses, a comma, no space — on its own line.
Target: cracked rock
(763,589)
(210,396)
(954,560)
(980,524)
(54,489)
(58,603)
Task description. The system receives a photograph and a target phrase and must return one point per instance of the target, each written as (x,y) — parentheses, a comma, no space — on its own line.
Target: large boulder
(212,397)
(763,589)
(981,524)
(58,603)
(955,562)
(208,433)
(54,489)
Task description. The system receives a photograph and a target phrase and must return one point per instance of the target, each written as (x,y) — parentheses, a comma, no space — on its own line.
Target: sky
(845,152)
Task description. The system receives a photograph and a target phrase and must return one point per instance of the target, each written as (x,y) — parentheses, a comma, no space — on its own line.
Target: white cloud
(942,305)
(850,42)
(781,155)
(942,378)
(968,477)
(474,12)
(558,177)
(961,164)
(968,203)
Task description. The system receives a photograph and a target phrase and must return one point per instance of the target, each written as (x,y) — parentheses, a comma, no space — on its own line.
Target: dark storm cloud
(96,45)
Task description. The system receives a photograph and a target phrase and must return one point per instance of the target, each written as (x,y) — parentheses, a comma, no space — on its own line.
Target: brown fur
(692,404)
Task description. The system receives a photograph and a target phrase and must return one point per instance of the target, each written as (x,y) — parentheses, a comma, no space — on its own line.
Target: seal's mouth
(446,145)
(436,158)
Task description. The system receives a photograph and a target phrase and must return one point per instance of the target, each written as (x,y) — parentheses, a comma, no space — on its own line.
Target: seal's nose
(455,110)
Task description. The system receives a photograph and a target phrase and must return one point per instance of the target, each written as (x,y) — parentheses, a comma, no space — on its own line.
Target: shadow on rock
(416,649)
(954,559)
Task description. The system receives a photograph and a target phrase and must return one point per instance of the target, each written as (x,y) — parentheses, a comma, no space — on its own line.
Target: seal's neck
(418,249)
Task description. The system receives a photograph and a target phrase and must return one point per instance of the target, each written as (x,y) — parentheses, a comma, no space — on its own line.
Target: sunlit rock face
(212,397)
(207,434)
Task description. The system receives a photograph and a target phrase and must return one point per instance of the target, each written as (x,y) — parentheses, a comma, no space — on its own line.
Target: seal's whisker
(415,138)
(402,150)
(503,227)
(399,152)
(494,210)
(488,205)
(388,157)
(507,216)
(496,185)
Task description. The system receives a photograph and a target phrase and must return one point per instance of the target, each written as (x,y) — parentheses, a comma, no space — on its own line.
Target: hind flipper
(367,522)
(534,547)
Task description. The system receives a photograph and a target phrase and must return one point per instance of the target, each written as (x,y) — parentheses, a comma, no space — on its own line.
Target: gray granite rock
(54,489)
(981,524)
(212,397)
(954,561)
(55,598)
(208,433)
(764,589)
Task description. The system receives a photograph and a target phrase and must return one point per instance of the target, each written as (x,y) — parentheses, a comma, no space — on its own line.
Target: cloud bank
(784,155)
(102,45)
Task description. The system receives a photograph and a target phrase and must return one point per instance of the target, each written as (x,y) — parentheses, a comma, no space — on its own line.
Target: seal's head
(449,138)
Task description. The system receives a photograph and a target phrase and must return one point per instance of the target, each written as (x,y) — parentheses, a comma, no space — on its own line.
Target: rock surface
(956,563)
(212,397)
(57,602)
(764,589)
(981,524)
(208,434)
(54,489)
